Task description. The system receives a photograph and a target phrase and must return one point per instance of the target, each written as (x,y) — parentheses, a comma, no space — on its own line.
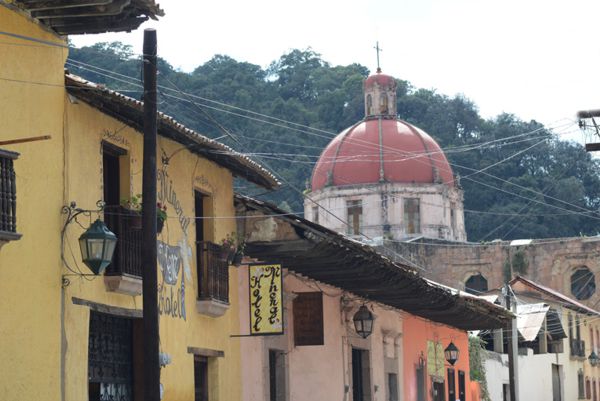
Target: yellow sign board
(266,306)
(435,358)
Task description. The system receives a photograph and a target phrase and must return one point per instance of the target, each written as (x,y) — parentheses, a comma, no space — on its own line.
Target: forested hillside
(520,180)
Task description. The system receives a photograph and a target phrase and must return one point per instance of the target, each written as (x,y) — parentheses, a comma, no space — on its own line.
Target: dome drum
(384,177)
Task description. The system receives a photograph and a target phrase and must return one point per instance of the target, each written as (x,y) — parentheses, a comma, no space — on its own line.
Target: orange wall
(416,334)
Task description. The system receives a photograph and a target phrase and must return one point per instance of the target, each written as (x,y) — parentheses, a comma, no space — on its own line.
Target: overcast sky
(537,59)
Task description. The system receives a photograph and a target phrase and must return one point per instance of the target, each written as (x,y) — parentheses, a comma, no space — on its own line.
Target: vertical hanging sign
(266,306)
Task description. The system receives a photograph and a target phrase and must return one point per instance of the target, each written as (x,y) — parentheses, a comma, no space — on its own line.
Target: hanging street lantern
(363,322)
(593,358)
(451,353)
(97,247)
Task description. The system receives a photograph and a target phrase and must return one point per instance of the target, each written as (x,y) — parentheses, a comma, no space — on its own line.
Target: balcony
(577,348)
(8,198)
(213,280)
(124,274)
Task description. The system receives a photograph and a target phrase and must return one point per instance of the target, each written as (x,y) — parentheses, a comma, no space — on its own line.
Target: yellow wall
(43,335)
(31,104)
(86,130)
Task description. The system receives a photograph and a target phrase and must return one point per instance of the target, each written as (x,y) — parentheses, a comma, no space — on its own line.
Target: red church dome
(381,150)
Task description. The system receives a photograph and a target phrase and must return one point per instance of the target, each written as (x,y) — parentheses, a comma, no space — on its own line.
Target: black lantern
(97,247)
(363,322)
(451,353)
(593,358)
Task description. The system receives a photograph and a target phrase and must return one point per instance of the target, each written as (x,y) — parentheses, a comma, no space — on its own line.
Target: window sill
(124,284)
(7,236)
(211,307)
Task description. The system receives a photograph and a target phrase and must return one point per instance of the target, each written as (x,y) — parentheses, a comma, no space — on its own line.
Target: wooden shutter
(308,318)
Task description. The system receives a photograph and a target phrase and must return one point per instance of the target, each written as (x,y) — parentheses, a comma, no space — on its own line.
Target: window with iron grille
(8,196)
(110,358)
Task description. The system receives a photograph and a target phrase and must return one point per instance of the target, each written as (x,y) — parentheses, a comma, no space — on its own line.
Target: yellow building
(66,335)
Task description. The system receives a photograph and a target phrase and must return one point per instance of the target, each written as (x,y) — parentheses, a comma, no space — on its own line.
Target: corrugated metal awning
(530,319)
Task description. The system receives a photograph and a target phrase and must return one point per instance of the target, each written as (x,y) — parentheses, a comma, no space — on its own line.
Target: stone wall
(549,262)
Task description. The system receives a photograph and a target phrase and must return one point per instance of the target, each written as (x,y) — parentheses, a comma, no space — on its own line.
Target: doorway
(556,384)
(438,390)
(461,386)
(451,385)
(114,358)
(361,375)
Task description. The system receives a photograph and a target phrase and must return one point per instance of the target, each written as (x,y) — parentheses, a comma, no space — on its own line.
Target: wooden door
(556,385)
(451,385)
(461,386)
(438,389)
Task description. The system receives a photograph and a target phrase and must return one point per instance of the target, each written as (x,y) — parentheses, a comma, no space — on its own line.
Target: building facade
(557,347)
(69,335)
(327,280)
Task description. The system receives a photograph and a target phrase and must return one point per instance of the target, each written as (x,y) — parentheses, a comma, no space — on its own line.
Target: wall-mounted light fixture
(97,247)
(97,243)
(421,362)
(363,322)
(451,353)
(593,358)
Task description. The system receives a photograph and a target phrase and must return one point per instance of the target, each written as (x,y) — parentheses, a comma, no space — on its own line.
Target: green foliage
(477,365)
(520,196)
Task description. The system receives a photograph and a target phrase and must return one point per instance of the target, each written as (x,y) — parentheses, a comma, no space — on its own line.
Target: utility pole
(513,343)
(150,274)
(512,347)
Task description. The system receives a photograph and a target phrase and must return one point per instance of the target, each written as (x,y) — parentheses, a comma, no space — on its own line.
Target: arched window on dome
(383,102)
(369,105)
(476,284)
(583,283)
(354,210)
(412,216)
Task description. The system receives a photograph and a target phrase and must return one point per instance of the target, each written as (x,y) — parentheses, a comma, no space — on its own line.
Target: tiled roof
(130,111)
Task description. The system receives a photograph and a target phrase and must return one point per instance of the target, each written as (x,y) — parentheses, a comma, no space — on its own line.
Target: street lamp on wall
(97,247)
(593,358)
(97,243)
(451,353)
(363,322)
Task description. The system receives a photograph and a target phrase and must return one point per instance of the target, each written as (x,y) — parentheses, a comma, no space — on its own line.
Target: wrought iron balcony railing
(213,272)
(8,196)
(126,225)
(577,348)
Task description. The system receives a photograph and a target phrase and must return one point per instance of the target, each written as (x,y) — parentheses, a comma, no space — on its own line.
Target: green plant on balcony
(134,204)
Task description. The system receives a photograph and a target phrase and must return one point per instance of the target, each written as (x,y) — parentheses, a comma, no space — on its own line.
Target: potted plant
(134,205)
(228,247)
(232,248)
(239,251)
(161,216)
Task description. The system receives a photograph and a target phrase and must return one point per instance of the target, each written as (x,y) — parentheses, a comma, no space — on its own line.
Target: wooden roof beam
(115,7)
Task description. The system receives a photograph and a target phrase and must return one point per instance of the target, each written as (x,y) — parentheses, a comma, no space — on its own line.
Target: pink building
(327,278)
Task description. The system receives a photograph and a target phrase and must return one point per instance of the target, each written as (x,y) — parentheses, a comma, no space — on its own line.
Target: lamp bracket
(72,212)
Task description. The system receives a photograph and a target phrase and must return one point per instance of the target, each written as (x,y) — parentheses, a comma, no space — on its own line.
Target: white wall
(381,199)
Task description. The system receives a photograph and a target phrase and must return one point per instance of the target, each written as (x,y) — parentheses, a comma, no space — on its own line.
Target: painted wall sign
(171,291)
(166,193)
(266,306)
(115,137)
